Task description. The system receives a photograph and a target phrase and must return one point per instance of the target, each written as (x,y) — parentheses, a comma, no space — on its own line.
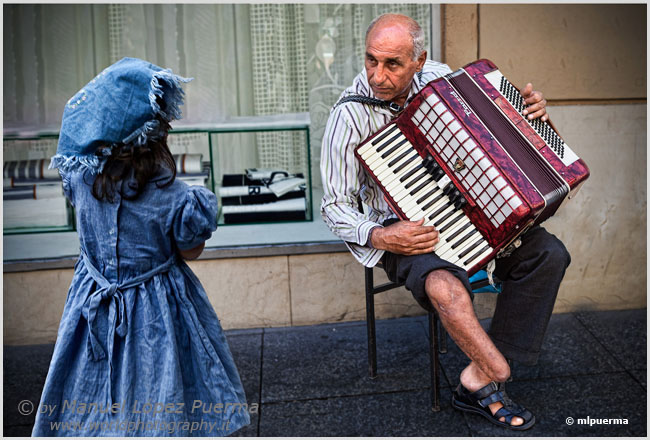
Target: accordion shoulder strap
(369,101)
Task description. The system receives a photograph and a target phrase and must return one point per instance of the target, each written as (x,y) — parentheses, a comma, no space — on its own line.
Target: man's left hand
(535,102)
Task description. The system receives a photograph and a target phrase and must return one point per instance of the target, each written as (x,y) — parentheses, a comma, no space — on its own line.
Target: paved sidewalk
(312,381)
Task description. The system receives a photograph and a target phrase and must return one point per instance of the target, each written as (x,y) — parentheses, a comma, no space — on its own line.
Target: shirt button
(112,231)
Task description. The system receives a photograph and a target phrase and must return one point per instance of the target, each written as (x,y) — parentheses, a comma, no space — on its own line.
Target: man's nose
(380,74)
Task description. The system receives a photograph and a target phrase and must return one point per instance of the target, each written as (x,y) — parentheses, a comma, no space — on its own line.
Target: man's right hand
(405,238)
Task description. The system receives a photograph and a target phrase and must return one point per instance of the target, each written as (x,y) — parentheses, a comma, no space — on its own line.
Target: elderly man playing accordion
(396,68)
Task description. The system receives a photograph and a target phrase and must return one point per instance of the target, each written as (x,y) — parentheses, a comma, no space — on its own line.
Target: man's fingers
(527,90)
(423,230)
(534,98)
(429,236)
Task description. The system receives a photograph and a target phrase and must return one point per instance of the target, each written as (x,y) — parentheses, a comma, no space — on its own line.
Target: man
(396,68)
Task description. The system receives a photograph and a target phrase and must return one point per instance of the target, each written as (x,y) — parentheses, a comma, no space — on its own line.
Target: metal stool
(435,331)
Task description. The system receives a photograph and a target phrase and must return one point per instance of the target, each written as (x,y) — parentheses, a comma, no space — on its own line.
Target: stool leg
(370,324)
(443,337)
(433,359)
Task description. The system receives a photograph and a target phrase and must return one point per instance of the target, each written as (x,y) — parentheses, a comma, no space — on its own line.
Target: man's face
(389,65)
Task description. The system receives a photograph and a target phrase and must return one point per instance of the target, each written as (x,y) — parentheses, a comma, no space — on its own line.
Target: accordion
(463,156)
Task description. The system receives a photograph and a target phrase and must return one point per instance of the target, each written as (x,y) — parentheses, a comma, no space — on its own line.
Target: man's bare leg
(452,301)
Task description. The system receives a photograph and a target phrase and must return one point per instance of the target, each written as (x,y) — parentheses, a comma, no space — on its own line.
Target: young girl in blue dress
(139,351)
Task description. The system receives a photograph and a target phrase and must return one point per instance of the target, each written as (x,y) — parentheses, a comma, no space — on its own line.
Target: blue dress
(140,350)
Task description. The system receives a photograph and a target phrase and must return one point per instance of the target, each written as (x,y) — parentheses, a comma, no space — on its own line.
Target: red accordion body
(507,173)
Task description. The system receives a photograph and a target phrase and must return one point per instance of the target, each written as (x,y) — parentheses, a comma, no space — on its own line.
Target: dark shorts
(412,270)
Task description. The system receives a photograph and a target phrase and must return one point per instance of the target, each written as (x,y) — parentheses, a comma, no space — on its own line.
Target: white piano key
(391,137)
(407,200)
(372,156)
(439,215)
(419,207)
(446,244)
(476,260)
(453,255)
(446,236)
(404,191)
(370,145)
(389,173)
(395,184)
(377,163)
(411,201)
(398,186)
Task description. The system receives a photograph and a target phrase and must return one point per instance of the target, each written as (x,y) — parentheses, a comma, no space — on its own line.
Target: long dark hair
(136,165)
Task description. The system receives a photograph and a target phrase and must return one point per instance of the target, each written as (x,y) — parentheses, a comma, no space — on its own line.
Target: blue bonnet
(118,105)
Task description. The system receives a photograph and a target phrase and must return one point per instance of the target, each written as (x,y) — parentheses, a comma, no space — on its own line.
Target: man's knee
(445,291)
(557,254)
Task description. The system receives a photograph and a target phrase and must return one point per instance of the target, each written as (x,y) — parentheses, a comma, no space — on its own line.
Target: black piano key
(449,214)
(392,150)
(388,142)
(470,249)
(392,163)
(415,179)
(460,203)
(458,232)
(420,186)
(464,239)
(410,173)
(426,196)
(428,162)
(439,210)
(485,248)
(451,223)
(408,161)
(384,135)
(449,189)
(438,173)
(432,202)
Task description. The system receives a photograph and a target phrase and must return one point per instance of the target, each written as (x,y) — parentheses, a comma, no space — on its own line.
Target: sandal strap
(484,392)
(505,413)
(497,396)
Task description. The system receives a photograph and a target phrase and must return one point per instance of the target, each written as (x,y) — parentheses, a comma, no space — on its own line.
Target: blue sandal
(478,401)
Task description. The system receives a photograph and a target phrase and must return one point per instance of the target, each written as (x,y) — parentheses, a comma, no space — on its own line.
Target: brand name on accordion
(460,101)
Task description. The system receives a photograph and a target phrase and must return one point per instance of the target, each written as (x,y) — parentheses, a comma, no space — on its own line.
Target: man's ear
(421,60)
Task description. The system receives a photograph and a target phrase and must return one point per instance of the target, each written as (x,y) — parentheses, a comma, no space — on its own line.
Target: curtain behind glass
(304,56)
(257,59)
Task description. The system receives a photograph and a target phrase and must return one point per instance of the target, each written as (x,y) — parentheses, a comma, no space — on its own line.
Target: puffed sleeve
(196,218)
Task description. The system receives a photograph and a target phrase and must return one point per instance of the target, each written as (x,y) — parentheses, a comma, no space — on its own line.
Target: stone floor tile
(387,414)
(622,332)
(332,360)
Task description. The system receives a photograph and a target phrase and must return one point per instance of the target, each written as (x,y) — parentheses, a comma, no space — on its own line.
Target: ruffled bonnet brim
(165,85)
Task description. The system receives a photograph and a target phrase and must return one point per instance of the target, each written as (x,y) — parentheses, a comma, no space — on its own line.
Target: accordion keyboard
(402,172)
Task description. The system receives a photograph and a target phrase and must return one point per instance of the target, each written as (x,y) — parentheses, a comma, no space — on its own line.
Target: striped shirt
(344,179)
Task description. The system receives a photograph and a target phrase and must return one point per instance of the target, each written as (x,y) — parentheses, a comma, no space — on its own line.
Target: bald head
(406,22)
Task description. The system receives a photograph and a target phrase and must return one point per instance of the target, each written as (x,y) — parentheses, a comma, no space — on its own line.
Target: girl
(140,351)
